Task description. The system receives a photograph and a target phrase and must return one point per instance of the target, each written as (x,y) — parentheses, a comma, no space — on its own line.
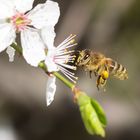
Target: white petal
(50,91)
(11,53)
(45,14)
(49,61)
(23,5)
(7,35)
(48,34)
(33,48)
(51,66)
(6,9)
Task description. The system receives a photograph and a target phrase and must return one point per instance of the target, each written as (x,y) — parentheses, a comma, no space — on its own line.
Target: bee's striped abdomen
(116,69)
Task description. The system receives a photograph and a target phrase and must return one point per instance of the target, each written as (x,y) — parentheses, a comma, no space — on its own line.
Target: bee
(102,66)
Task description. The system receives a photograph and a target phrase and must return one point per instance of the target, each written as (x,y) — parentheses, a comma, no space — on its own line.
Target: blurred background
(111,27)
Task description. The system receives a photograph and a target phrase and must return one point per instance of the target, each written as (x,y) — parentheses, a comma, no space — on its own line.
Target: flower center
(20,21)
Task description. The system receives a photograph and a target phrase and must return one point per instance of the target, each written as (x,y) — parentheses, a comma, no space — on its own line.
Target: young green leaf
(90,116)
(100,112)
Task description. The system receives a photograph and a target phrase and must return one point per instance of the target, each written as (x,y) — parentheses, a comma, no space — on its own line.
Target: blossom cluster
(36,29)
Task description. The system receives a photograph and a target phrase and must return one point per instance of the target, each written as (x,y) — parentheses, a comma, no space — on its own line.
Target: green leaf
(89,115)
(100,112)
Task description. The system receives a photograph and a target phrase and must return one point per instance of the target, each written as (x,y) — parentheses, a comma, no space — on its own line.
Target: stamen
(67,45)
(20,21)
(71,45)
(64,53)
(64,41)
(62,56)
(68,40)
(64,59)
(71,73)
(68,76)
(69,66)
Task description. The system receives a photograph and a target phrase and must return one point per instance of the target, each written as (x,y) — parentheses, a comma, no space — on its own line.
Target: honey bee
(102,66)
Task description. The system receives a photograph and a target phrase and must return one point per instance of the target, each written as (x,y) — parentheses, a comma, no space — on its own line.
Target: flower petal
(50,91)
(51,66)
(23,5)
(49,60)
(44,14)
(11,53)
(33,48)
(7,35)
(48,34)
(6,9)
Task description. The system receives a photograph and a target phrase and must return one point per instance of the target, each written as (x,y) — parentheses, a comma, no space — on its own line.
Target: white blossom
(16,16)
(58,58)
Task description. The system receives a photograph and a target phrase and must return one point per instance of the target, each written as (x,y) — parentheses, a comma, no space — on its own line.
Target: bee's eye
(86,56)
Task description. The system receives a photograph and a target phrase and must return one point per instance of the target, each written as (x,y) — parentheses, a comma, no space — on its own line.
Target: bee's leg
(101,82)
(103,78)
(95,73)
(98,82)
(90,74)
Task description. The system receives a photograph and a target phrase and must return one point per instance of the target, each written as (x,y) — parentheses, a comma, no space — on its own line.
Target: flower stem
(64,80)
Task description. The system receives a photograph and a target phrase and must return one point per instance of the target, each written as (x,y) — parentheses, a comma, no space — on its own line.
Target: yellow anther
(72,41)
(66,50)
(19,21)
(105,74)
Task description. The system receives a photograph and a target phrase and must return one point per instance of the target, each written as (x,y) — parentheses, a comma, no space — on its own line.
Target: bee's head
(83,57)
